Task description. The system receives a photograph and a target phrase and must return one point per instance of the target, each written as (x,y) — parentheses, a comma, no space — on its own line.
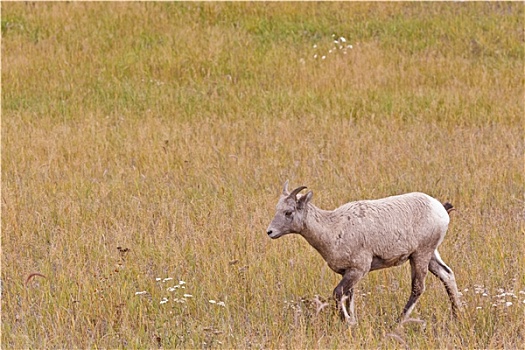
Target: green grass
(151,140)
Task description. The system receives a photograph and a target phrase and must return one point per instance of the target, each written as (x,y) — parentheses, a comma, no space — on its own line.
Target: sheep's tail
(448,207)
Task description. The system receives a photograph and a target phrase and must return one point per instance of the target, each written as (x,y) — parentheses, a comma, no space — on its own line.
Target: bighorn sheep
(369,235)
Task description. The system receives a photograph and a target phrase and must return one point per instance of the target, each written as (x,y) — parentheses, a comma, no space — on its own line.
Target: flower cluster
(502,298)
(178,293)
(339,45)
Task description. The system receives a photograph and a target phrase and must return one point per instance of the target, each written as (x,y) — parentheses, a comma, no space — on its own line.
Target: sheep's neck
(318,231)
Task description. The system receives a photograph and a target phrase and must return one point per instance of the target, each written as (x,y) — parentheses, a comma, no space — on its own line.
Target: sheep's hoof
(351,323)
(348,319)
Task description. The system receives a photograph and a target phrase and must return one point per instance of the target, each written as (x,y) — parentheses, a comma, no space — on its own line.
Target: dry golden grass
(145,141)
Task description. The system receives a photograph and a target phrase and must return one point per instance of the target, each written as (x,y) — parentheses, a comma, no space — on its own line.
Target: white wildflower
(478,307)
(167,279)
(221,303)
(508,303)
(484,295)
(323,57)
(349,47)
(158,279)
(315,46)
(188,296)
(508,294)
(181,283)
(212,301)
(342,39)
(141,293)
(164,300)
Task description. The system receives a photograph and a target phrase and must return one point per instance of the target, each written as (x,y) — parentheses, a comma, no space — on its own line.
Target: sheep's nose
(269,232)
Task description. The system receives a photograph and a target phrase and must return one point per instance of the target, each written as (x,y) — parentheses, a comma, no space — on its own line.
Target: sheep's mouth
(273,234)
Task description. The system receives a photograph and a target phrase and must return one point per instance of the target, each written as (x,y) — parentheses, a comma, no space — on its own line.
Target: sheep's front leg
(344,295)
(419,269)
(346,308)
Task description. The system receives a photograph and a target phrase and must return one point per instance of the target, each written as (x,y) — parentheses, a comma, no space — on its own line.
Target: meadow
(144,147)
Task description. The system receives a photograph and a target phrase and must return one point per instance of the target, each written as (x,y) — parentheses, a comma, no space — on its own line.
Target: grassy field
(144,147)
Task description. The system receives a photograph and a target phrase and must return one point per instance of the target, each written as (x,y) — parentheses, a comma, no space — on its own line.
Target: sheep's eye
(288,213)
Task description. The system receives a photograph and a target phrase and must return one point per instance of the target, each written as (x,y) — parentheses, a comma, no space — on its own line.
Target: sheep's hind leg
(446,275)
(344,296)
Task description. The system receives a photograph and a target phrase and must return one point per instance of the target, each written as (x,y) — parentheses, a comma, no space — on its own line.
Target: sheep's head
(291,212)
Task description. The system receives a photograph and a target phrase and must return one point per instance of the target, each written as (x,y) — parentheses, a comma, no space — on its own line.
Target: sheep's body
(368,235)
(376,233)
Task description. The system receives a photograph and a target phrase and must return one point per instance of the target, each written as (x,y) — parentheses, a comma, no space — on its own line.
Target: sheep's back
(395,225)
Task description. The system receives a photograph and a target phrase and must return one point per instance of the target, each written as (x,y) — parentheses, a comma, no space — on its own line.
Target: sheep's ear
(304,200)
(285,189)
